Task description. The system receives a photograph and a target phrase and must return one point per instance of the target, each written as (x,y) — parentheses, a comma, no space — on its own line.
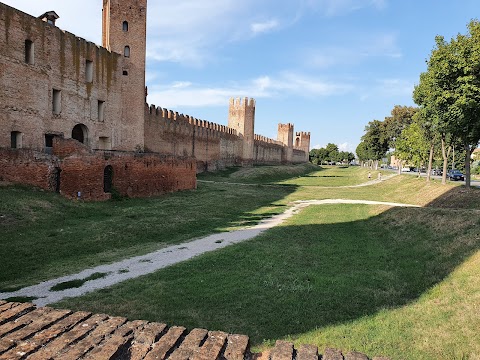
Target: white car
(405,169)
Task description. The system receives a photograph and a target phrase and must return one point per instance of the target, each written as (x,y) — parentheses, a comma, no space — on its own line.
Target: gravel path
(141,265)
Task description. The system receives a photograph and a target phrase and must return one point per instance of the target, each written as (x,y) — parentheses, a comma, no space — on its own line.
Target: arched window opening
(125,26)
(126,52)
(80,133)
(108,179)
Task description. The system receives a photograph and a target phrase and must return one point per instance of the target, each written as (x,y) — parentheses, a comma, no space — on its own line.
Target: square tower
(125,33)
(302,142)
(241,117)
(285,136)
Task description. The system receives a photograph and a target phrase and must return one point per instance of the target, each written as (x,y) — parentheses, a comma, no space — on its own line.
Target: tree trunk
(445,161)
(430,161)
(467,165)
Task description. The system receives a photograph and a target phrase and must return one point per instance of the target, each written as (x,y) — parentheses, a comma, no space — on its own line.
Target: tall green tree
(412,145)
(450,89)
(376,141)
(401,117)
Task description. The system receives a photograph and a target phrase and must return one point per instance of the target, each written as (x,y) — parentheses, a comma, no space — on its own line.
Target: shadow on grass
(458,197)
(301,277)
(53,236)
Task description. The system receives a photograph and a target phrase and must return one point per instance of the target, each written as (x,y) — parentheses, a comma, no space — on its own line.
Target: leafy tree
(401,117)
(363,153)
(319,156)
(449,90)
(412,145)
(376,141)
(332,150)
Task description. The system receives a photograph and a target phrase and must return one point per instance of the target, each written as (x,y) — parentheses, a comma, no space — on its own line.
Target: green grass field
(402,282)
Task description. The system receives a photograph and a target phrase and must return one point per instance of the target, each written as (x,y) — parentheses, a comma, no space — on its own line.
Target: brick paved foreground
(27,332)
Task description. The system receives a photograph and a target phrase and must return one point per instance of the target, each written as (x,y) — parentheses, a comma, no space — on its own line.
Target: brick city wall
(28,167)
(298,156)
(81,171)
(59,62)
(214,146)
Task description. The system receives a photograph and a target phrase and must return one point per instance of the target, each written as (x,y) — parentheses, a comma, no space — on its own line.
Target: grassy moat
(401,282)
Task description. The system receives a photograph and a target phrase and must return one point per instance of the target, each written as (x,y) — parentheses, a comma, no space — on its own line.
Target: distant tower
(241,117)
(302,142)
(285,136)
(125,33)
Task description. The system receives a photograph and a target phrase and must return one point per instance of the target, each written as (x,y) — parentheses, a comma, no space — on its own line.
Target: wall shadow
(53,236)
(295,279)
(458,197)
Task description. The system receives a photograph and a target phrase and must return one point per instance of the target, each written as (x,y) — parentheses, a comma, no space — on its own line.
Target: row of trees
(381,136)
(330,154)
(448,113)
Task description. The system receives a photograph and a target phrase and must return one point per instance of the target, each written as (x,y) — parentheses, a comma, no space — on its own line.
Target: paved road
(473,182)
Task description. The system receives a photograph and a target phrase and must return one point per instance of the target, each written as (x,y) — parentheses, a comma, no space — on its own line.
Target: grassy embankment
(399,282)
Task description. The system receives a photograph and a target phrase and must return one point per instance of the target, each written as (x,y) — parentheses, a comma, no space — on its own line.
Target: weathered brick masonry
(77,172)
(55,85)
(44,333)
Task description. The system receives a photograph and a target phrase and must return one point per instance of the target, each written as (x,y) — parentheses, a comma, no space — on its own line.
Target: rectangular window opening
(57,101)
(101,110)
(49,143)
(16,139)
(104,143)
(89,71)
(29,52)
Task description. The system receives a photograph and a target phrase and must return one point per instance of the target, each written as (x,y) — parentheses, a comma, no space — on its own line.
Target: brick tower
(125,33)
(241,117)
(285,136)
(302,142)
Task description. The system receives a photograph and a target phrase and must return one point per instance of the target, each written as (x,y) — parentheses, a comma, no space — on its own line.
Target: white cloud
(366,47)
(332,8)
(263,27)
(184,94)
(388,88)
(344,147)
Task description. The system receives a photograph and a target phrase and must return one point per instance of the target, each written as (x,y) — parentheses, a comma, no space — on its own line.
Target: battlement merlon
(162,114)
(242,102)
(303,134)
(286,127)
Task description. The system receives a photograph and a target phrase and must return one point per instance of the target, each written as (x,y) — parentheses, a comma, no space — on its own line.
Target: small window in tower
(126,52)
(57,101)
(49,140)
(29,52)
(16,139)
(125,72)
(101,110)
(125,26)
(89,71)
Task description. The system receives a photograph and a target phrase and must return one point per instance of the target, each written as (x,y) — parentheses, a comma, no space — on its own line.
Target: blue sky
(328,66)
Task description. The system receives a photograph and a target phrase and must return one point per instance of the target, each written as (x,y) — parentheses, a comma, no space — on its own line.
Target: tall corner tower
(241,117)
(285,136)
(125,32)
(302,142)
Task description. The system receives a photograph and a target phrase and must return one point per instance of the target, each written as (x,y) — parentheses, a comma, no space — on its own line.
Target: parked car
(455,175)
(406,169)
(437,172)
